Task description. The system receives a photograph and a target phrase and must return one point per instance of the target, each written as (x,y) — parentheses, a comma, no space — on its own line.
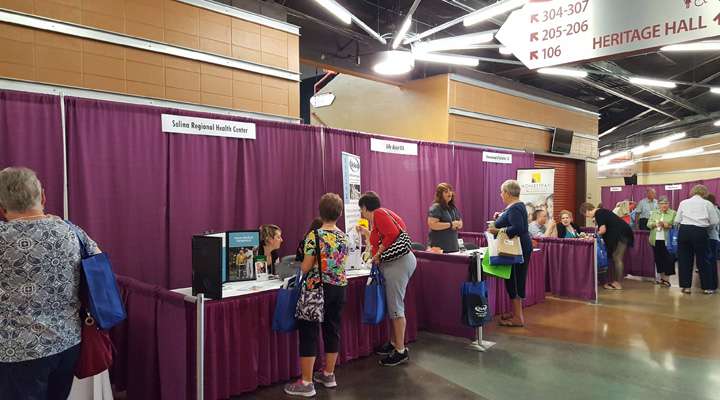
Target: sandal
(510,324)
(687,290)
(610,286)
(665,283)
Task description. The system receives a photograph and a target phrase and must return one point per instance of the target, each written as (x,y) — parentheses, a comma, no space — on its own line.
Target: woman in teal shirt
(660,222)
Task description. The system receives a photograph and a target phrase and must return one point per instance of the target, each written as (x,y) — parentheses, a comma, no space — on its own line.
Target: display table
(440,278)
(570,267)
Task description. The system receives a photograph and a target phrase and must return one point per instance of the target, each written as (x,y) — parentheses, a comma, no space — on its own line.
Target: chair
(418,246)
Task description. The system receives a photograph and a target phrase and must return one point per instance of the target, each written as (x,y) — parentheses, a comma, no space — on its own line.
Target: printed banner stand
(537,187)
(351,195)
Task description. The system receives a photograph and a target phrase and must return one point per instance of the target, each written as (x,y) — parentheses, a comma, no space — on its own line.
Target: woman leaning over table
(659,223)
(514,221)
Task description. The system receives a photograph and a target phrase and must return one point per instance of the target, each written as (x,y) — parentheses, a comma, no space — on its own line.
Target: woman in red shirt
(386,228)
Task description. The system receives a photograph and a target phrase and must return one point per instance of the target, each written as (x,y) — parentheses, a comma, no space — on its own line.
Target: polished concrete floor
(646,342)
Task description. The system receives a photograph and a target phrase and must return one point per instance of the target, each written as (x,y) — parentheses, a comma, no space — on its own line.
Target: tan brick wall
(53,58)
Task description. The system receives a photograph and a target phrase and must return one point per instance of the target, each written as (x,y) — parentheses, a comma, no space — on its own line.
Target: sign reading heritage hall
(207,127)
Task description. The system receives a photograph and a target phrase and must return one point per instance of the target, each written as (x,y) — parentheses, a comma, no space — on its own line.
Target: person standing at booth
(660,222)
(645,208)
(514,221)
(331,257)
(386,228)
(40,281)
(444,220)
(618,236)
(695,216)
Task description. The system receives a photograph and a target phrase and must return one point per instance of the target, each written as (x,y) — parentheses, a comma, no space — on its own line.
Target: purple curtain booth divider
(221,184)
(242,352)
(713,186)
(118,183)
(436,164)
(639,260)
(151,362)
(31,136)
(610,198)
(440,306)
(477,238)
(570,267)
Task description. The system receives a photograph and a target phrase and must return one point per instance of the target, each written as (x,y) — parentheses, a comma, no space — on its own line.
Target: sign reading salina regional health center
(207,127)
(548,33)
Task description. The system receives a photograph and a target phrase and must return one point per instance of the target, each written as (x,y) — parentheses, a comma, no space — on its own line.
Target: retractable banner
(351,189)
(537,187)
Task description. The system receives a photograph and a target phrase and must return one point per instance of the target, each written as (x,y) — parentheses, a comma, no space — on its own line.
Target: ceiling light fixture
(652,82)
(337,10)
(448,59)
(669,139)
(505,51)
(616,165)
(394,62)
(707,45)
(715,90)
(456,42)
(717,123)
(575,73)
(400,35)
(605,152)
(684,153)
(485,13)
(658,144)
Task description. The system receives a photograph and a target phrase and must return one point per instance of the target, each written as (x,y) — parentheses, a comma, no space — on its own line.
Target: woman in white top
(695,215)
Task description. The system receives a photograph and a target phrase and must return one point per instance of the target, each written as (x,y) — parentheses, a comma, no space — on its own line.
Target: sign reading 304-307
(548,33)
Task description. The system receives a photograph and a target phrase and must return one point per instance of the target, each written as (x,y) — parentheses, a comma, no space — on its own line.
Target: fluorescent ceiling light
(394,62)
(684,153)
(717,123)
(715,90)
(616,165)
(658,144)
(697,46)
(336,10)
(605,152)
(485,13)
(455,43)
(448,59)
(669,139)
(402,32)
(575,73)
(652,82)
(505,51)
(639,150)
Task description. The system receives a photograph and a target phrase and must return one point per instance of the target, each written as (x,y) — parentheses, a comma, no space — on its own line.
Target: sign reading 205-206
(547,33)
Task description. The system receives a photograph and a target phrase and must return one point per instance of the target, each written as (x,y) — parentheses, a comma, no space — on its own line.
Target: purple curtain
(118,185)
(31,136)
(640,192)
(436,165)
(713,186)
(610,198)
(639,260)
(570,267)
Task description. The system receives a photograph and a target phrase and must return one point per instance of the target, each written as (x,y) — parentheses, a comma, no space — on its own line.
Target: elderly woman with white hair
(514,221)
(695,216)
(39,300)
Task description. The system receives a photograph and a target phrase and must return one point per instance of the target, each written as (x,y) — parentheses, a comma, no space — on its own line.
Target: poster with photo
(537,187)
(351,189)
(241,246)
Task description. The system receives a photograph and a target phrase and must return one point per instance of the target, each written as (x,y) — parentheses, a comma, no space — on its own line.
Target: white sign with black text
(673,187)
(498,158)
(616,189)
(393,147)
(207,127)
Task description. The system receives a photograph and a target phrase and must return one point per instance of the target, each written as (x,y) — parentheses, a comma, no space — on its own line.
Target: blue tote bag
(474,296)
(602,255)
(374,306)
(104,301)
(287,298)
(672,242)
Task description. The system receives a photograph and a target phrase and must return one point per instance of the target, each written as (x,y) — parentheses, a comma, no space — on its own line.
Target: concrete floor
(646,342)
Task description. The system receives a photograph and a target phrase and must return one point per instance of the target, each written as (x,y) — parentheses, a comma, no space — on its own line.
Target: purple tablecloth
(570,267)
(639,259)
(440,279)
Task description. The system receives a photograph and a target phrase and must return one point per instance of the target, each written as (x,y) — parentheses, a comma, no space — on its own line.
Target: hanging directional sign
(546,33)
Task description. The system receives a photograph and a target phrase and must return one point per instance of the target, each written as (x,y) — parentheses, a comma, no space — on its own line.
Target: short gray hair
(20,189)
(651,190)
(511,187)
(663,200)
(699,190)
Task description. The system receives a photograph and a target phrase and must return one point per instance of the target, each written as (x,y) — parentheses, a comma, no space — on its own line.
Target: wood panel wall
(471,130)
(48,57)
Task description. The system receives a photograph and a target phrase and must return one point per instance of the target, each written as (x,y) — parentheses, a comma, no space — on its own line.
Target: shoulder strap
(393,220)
(318,253)
(83,247)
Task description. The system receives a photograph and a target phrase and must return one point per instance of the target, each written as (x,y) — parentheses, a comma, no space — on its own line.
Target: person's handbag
(672,242)
(286,304)
(375,302)
(311,302)
(400,247)
(96,350)
(495,258)
(103,300)
(508,247)
(474,295)
(602,255)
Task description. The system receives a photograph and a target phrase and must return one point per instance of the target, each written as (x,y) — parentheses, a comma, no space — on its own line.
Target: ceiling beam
(627,97)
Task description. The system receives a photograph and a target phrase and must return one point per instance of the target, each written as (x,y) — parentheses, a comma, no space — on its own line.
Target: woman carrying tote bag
(391,250)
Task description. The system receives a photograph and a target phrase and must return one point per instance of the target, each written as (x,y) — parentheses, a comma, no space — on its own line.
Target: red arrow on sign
(534,37)
(534,18)
(717,19)
(533,55)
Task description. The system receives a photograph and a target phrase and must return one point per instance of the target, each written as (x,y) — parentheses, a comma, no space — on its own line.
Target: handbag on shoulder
(400,247)
(508,247)
(311,303)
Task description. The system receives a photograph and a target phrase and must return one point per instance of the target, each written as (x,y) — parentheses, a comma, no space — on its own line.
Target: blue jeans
(40,379)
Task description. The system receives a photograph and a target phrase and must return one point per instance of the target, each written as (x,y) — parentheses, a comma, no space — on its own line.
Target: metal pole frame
(479,344)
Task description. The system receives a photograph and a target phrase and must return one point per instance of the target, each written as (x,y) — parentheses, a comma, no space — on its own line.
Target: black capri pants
(334,299)
(515,286)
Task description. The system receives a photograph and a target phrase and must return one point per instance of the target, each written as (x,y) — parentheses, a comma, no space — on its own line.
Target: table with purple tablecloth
(440,278)
(570,267)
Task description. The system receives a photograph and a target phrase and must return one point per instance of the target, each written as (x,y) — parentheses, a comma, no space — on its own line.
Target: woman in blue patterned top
(39,301)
